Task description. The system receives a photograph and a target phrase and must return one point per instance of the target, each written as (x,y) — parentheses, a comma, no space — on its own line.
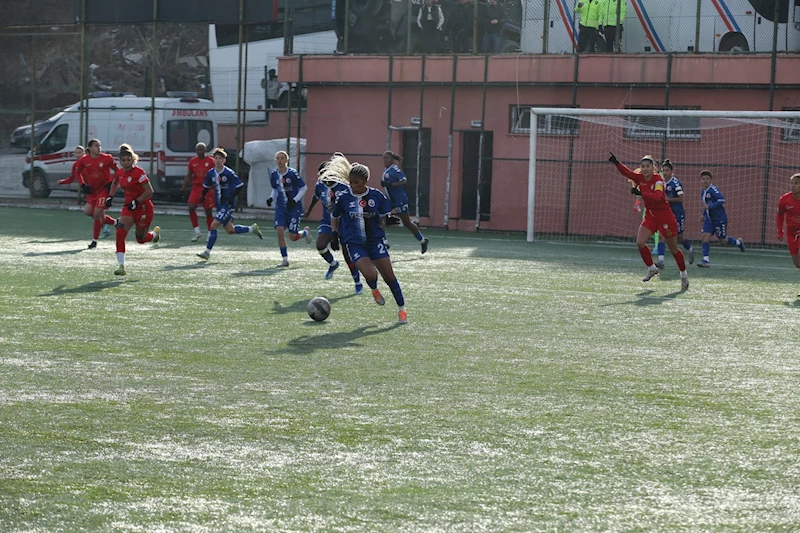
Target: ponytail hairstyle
(125,149)
(335,170)
(394,156)
(668,163)
(358,169)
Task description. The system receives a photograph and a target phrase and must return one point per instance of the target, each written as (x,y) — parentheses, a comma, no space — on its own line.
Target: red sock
(98,224)
(209,221)
(681,262)
(647,255)
(110,221)
(147,237)
(193,218)
(121,234)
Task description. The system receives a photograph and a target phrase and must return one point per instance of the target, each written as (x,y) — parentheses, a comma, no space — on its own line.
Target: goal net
(574,192)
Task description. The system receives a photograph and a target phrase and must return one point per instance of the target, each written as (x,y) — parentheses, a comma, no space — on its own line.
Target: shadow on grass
(646,298)
(58,252)
(795,304)
(53,241)
(262,272)
(300,306)
(95,286)
(308,344)
(191,266)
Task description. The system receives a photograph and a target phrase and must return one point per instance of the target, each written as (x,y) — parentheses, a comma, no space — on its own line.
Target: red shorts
(142,216)
(197,192)
(97,201)
(794,243)
(662,221)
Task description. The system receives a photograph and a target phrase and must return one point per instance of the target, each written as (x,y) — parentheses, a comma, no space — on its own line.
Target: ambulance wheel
(40,187)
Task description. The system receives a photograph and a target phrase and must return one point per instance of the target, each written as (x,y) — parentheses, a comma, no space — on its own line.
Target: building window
(686,128)
(546,124)
(791,127)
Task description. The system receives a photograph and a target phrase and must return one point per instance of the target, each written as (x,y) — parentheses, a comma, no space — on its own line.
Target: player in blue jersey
(361,210)
(715,220)
(675,197)
(225,184)
(326,192)
(394,182)
(288,189)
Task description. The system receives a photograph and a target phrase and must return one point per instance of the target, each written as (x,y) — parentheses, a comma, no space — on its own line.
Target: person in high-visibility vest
(589,10)
(611,23)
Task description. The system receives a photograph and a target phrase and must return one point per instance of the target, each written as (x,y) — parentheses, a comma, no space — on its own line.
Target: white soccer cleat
(257,231)
(685,283)
(651,273)
(691,255)
(284,263)
(157,234)
(308,235)
(659,265)
(205,254)
(196,237)
(704,264)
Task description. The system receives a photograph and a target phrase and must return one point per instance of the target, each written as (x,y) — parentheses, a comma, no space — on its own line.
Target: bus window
(183,135)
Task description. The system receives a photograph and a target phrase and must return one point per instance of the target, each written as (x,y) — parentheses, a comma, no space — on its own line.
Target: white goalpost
(574,193)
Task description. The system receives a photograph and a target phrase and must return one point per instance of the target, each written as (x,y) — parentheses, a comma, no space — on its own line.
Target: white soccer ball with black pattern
(319,308)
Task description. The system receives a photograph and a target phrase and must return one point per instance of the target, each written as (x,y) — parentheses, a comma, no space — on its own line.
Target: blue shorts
(325,229)
(288,220)
(224,215)
(720,229)
(372,250)
(681,219)
(400,209)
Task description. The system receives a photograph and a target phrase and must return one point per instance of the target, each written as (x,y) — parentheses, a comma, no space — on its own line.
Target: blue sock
(687,243)
(212,238)
(397,292)
(732,241)
(373,284)
(662,247)
(419,236)
(284,253)
(706,249)
(327,256)
(355,274)
(241,229)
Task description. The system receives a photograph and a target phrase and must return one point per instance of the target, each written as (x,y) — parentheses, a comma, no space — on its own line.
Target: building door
(475,167)
(409,167)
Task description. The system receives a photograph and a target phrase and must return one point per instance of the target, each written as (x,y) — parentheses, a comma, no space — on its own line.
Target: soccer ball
(319,308)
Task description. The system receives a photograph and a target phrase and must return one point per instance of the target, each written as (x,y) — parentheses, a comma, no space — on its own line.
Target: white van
(180,123)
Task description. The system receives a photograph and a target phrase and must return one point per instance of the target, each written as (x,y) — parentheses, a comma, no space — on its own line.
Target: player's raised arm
(625,171)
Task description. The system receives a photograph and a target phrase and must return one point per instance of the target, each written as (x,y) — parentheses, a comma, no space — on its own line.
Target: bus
(312,33)
(671,26)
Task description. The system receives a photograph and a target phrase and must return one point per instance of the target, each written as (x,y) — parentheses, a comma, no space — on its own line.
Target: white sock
(684,274)
(121,258)
(661,258)
(705,258)
(197,230)
(653,267)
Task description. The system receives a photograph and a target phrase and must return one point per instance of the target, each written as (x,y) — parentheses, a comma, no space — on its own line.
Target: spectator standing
(430,20)
(493,16)
(612,24)
(589,10)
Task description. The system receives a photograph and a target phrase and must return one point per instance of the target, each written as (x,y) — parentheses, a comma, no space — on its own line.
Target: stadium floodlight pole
(33,115)
(531,175)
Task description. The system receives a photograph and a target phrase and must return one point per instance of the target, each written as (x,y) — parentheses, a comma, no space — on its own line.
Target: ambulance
(732,26)
(181,121)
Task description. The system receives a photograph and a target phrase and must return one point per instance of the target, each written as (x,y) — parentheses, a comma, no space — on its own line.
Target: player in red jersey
(138,208)
(198,168)
(789,212)
(80,151)
(94,172)
(658,216)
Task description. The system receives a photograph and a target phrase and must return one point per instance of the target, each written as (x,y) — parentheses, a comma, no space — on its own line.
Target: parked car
(21,137)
